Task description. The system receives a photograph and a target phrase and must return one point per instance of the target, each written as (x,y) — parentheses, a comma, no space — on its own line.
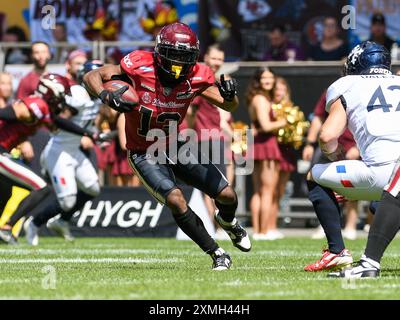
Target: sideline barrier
(132,212)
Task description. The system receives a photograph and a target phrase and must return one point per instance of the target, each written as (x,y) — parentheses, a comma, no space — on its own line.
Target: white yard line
(20,251)
(89,260)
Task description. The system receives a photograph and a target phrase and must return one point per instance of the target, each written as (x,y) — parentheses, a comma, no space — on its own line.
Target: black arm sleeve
(8,114)
(69,126)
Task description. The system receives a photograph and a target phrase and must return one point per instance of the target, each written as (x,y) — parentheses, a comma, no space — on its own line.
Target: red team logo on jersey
(146,98)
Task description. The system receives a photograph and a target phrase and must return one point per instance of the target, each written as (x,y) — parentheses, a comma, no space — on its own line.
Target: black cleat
(361,269)
(236,232)
(221,260)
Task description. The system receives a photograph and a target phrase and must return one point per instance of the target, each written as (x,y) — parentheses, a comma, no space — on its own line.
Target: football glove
(227,88)
(114,100)
(107,136)
(336,155)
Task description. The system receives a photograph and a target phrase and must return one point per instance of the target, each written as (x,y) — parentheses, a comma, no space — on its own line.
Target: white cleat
(365,268)
(32,232)
(236,232)
(221,260)
(61,227)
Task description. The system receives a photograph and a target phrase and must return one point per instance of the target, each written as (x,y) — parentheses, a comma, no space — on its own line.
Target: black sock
(50,209)
(192,225)
(28,204)
(328,212)
(81,199)
(227,211)
(5,195)
(384,227)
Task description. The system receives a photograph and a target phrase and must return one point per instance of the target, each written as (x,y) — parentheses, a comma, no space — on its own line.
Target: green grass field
(122,268)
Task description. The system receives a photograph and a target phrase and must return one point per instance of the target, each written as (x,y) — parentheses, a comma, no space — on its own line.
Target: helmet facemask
(176,61)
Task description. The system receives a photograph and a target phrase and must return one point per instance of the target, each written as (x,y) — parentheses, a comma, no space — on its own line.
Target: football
(128,95)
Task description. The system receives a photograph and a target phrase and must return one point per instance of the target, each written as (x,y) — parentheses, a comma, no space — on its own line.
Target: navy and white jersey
(372,105)
(87,110)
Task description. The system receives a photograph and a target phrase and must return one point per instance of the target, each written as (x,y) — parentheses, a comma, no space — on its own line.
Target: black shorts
(216,150)
(160,179)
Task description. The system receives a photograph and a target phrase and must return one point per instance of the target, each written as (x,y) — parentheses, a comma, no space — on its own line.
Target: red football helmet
(177,50)
(52,88)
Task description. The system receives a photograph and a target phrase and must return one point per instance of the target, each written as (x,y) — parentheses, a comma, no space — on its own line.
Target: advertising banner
(132,212)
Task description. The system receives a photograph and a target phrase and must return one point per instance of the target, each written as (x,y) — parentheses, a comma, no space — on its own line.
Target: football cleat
(61,227)
(13,241)
(365,268)
(221,260)
(236,232)
(5,235)
(331,261)
(32,232)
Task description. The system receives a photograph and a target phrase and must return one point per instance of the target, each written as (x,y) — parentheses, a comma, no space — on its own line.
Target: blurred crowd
(333,45)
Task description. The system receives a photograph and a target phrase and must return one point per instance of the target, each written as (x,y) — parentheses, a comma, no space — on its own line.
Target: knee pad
(67,202)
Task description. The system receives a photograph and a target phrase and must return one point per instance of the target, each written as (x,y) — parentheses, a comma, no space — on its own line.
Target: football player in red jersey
(166,81)
(21,120)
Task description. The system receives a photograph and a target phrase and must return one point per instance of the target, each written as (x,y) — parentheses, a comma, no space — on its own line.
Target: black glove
(114,100)
(227,88)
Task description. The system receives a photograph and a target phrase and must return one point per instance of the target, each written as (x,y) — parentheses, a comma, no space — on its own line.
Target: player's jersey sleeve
(209,76)
(135,60)
(38,108)
(202,78)
(79,97)
(338,89)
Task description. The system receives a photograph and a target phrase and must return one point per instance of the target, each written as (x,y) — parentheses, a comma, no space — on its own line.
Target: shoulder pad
(337,89)
(137,61)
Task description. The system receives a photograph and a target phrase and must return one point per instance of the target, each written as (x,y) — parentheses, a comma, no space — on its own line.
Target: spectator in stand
(111,157)
(378,31)
(105,27)
(75,60)
(6,91)
(288,163)
(123,175)
(41,55)
(106,121)
(15,34)
(34,146)
(281,49)
(331,48)
(267,155)
(60,54)
(312,152)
